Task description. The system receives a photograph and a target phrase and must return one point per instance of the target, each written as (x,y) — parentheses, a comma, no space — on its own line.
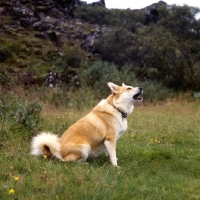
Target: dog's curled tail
(46,144)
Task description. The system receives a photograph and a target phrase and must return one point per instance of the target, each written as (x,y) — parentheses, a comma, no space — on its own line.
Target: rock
(43,26)
(2,12)
(98,3)
(151,13)
(28,12)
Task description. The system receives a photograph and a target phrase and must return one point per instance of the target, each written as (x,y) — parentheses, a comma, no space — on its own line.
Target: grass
(159,157)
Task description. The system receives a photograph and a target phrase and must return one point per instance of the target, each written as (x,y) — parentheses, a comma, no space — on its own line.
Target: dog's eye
(129,88)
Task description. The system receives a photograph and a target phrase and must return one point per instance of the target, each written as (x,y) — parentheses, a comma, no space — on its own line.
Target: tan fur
(98,131)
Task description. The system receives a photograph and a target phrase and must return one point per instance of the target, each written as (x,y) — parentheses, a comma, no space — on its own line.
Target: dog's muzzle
(137,96)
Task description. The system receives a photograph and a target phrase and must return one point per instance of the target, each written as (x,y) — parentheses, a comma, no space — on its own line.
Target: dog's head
(126,93)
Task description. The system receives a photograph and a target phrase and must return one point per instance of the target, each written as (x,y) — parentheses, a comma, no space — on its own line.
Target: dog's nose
(141,88)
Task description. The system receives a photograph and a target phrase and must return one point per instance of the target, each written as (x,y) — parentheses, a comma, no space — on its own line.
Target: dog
(95,133)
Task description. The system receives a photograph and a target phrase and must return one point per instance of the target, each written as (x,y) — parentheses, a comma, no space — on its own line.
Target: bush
(118,46)
(111,17)
(100,73)
(92,14)
(18,114)
(156,91)
(73,56)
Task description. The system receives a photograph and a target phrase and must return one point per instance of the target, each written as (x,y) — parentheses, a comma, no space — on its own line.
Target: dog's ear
(114,88)
(123,84)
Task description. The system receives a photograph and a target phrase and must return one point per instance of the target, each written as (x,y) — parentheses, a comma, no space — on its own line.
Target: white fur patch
(111,152)
(97,151)
(85,150)
(46,139)
(102,102)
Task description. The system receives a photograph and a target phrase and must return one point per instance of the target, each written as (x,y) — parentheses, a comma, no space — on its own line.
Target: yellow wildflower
(11,191)
(16,178)
(44,156)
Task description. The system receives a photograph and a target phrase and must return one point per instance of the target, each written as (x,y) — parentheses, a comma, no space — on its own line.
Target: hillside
(41,36)
(34,36)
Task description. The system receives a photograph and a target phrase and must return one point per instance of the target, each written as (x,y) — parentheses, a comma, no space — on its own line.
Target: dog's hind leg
(73,157)
(77,153)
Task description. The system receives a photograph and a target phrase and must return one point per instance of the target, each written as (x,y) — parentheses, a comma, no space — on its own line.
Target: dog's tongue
(137,97)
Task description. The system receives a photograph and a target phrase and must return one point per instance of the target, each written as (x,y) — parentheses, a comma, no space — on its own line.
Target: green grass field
(159,156)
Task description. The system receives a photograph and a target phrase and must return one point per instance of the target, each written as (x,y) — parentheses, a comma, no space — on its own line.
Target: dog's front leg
(110,144)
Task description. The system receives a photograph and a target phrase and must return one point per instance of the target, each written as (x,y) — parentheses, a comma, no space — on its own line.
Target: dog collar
(124,115)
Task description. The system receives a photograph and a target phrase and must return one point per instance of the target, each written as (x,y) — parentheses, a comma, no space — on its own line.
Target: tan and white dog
(98,131)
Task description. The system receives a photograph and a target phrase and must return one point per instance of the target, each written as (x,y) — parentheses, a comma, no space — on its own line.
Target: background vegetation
(165,51)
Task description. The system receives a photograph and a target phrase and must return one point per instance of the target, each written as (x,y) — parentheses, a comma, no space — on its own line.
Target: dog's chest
(121,127)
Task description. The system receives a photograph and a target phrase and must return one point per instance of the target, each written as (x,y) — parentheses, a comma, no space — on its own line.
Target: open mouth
(137,97)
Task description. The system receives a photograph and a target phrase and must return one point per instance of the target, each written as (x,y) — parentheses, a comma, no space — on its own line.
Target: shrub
(196,95)
(118,46)
(100,73)
(73,56)
(18,114)
(92,14)
(111,17)
(156,91)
